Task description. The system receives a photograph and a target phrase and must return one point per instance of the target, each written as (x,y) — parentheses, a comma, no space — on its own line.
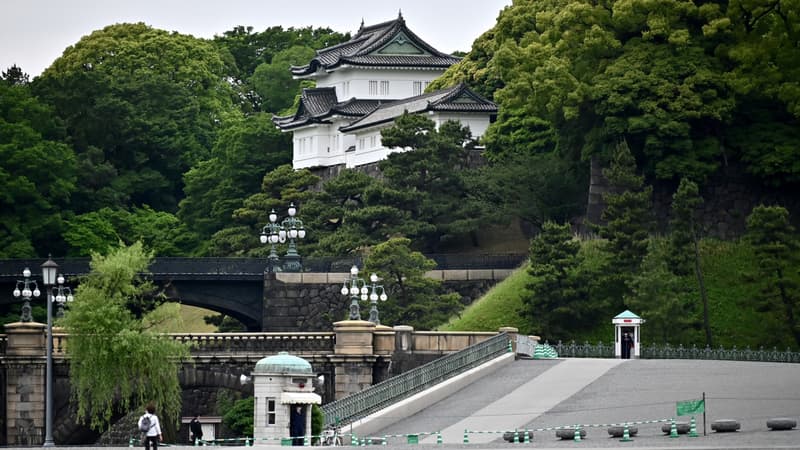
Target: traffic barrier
(439,437)
(466,436)
(577,437)
(673,429)
(626,434)
(693,428)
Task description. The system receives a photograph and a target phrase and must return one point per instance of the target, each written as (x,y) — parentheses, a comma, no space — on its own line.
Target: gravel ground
(639,390)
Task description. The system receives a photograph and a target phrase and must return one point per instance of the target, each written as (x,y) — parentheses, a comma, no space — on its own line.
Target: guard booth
(283,390)
(627,335)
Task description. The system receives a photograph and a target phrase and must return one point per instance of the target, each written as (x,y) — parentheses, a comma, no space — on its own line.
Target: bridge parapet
(210,344)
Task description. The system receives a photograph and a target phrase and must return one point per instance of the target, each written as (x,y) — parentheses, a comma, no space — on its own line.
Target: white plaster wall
(401,82)
(477,123)
(265,387)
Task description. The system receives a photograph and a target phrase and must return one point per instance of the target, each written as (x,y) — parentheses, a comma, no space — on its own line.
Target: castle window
(384,88)
(373,87)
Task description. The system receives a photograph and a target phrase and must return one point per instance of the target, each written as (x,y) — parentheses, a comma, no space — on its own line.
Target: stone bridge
(275,302)
(355,355)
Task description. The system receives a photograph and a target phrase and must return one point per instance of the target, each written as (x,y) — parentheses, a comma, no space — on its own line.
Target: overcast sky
(33,33)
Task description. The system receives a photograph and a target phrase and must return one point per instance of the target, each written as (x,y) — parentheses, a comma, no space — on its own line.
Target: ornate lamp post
(49,270)
(293,227)
(275,233)
(26,292)
(271,234)
(63,294)
(357,289)
(374,296)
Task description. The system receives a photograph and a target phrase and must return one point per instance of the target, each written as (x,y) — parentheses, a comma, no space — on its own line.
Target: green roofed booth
(627,335)
(283,390)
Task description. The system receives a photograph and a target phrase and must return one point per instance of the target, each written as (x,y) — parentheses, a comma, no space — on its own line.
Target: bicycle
(331,436)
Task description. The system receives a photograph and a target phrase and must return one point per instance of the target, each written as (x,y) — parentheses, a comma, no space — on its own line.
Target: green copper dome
(283,363)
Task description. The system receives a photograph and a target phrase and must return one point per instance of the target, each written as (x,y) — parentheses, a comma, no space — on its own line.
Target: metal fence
(397,388)
(666,351)
(12,268)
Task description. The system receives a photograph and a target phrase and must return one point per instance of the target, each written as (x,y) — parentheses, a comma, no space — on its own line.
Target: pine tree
(776,248)
(684,254)
(558,301)
(628,222)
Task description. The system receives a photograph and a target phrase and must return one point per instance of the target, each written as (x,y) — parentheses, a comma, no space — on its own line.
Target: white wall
(477,123)
(352,82)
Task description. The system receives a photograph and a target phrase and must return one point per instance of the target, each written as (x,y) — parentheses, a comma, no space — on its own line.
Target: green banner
(691,407)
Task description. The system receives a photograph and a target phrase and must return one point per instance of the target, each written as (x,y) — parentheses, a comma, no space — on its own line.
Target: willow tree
(116,363)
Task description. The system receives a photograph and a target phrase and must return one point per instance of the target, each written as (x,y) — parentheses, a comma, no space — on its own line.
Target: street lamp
(271,234)
(357,289)
(274,233)
(63,295)
(49,270)
(374,296)
(26,292)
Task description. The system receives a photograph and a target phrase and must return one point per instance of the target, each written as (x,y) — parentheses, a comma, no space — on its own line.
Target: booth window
(270,411)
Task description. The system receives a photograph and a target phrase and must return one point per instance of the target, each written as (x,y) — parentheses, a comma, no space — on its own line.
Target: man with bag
(150,427)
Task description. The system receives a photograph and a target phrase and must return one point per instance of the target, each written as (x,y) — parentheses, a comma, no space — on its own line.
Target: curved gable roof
(319,104)
(454,99)
(389,43)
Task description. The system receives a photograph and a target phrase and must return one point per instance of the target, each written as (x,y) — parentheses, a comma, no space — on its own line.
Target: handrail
(402,386)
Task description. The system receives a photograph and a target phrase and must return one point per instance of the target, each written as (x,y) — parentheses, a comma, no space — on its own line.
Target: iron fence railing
(667,351)
(12,268)
(402,386)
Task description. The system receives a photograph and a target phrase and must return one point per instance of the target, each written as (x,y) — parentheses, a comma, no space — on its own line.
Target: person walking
(196,428)
(150,427)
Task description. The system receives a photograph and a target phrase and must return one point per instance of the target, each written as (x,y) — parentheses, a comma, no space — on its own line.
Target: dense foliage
(139,134)
(115,362)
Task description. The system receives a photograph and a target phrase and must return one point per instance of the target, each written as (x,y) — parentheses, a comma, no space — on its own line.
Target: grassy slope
(727,267)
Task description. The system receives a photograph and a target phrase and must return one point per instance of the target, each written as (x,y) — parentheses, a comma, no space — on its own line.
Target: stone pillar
(25,383)
(353,358)
(512,334)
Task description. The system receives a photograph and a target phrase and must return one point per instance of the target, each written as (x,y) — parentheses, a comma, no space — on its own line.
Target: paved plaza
(538,394)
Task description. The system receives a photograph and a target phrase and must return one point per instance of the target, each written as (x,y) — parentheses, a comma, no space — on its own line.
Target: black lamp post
(377,293)
(49,271)
(26,293)
(357,289)
(274,233)
(63,294)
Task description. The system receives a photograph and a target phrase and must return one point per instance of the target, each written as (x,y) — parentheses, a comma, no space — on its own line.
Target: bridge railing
(12,268)
(265,343)
(402,386)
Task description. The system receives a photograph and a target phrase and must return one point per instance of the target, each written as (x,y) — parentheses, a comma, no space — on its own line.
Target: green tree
(14,76)
(628,217)
(690,86)
(143,102)
(776,247)
(281,186)
(413,299)
(274,82)
(239,418)
(663,297)
(684,255)
(435,173)
(37,175)
(99,231)
(557,301)
(246,149)
(115,362)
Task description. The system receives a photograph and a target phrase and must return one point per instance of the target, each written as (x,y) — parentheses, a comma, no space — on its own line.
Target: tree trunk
(703,294)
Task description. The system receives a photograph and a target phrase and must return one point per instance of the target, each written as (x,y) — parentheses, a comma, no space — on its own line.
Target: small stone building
(283,389)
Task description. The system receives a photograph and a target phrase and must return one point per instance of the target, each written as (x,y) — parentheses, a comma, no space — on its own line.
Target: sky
(33,33)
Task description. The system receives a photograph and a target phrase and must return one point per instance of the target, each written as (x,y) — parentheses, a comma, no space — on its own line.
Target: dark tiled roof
(370,39)
(319,104)
(457,99)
